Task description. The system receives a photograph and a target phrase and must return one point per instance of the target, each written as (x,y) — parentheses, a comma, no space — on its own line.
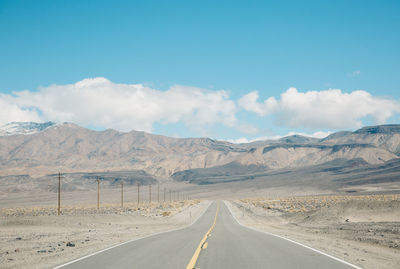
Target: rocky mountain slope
(386,137)
(71,148)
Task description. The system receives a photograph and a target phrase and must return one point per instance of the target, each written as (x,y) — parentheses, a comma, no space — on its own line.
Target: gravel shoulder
(37,238)
(364,231)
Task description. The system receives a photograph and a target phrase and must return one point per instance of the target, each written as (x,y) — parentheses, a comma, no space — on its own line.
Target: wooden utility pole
(138,194)
(165,193)
(59,193)
(150,194)
(122,194)
(98,193)
(158,193)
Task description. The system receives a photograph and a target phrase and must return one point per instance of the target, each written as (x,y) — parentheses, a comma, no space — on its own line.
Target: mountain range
(47,148)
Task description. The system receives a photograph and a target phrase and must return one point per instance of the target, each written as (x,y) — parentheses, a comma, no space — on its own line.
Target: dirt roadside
(364,231)
(38,238)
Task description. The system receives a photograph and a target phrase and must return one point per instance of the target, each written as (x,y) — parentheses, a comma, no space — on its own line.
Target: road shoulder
(357,253)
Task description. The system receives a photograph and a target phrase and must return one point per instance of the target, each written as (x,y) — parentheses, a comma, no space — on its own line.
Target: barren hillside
(71,148)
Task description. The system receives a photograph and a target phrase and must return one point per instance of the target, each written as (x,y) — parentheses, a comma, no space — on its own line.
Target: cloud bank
(331,109)
(98,102)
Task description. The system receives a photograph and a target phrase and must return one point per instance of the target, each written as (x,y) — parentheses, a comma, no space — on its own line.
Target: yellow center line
(196,254)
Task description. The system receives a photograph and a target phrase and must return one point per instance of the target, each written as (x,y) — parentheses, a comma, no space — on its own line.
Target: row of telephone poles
(167,193)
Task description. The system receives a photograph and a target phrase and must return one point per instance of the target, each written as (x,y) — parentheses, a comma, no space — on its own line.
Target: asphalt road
(229,245)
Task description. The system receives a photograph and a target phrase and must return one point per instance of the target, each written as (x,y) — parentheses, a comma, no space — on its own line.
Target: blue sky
(215,50)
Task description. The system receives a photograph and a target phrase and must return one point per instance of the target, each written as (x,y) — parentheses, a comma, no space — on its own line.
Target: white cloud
(331,109)
(12,112)
(100,102)
(319,134)
(246,140)
(249,102)
(240,140)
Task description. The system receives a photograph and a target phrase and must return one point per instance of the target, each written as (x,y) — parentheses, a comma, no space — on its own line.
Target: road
(228,245)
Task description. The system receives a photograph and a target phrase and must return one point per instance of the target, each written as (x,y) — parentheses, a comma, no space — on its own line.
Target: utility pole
(138,195)
(98,193)
(165,192)
(150,194)
(122,194)
(158,193)
(59,193)
(170,198)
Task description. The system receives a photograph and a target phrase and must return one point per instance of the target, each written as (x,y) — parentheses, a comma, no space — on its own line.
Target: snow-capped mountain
(24,128)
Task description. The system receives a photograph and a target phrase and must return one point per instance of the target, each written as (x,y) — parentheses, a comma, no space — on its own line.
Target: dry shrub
(166,213)
(310,203)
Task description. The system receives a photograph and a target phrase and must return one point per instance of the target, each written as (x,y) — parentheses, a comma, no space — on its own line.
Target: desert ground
(361,229)
(36,237)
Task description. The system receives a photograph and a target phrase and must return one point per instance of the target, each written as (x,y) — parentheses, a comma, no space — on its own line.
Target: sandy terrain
(363,230)
(36,237)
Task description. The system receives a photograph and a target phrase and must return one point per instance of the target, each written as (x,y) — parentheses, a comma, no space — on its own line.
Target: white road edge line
(290,240)
(136,239)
